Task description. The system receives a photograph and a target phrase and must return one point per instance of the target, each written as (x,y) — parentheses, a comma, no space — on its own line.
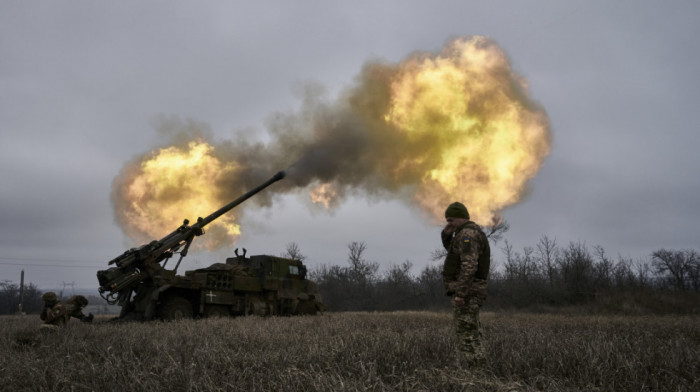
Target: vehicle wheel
(131,316)
(217,311)
(306,307)
(176,308)
(126,309)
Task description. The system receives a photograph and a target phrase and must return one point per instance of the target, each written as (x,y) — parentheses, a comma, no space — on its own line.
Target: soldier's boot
(470,353)
(48,328)
(469,360)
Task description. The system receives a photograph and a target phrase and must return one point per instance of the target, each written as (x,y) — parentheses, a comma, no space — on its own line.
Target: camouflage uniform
(464,275)
(54,312)
(74,308)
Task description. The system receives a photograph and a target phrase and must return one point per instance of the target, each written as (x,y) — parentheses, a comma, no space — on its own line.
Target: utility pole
(21,293)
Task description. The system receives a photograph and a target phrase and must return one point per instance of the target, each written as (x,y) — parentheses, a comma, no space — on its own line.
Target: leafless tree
(438,254)
(520,266)
(507,250)
(293,252)
(547,253)
(361,270)
(400,274)
(576,268)
(678,266)
(694,270)
(9,297)
(496,229)
(623,275)
(356,252)
(603,268)
(643,272)
(511,261)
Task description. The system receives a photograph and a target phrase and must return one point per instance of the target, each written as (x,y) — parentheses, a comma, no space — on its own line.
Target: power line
(37,259)
(40,262)
(50,265)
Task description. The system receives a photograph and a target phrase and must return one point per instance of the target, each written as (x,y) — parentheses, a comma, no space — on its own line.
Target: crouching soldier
(75,306)
(54,313)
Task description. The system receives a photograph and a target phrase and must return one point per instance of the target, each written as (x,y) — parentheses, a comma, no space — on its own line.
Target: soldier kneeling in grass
(55,314)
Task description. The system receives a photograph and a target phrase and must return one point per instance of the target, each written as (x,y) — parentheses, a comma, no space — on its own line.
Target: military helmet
(49,296)
(78,300)
(456,210)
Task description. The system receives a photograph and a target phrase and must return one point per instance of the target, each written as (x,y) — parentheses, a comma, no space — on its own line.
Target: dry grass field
(400,351)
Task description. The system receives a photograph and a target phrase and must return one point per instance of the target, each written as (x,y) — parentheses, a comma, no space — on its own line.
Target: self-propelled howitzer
(144,288)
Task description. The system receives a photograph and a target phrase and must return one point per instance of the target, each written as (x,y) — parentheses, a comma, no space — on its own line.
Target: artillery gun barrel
(205,221)
(130,265)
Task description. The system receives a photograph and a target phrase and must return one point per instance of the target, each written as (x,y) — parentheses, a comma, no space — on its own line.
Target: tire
(307,307)
(176,308)
(127,309)
(131,316)
(217,311)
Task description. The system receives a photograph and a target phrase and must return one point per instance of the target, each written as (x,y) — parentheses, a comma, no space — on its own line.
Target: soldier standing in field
(464,275)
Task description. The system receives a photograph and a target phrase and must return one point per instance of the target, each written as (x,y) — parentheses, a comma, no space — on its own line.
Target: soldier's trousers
(467,326)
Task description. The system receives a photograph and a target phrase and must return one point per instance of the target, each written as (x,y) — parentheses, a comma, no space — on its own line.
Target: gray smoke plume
(349,145)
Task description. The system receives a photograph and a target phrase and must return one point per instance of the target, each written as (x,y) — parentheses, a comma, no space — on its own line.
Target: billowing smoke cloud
(432,129)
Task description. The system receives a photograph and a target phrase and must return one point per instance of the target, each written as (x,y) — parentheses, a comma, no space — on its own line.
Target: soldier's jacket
(58,314)
(54,315)
(74,311)
(467,262)
(74,307)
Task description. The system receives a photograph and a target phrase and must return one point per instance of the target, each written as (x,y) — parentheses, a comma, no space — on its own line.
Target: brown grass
(412,351)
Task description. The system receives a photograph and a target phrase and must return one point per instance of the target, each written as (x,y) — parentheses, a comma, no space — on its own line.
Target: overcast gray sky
(82,84)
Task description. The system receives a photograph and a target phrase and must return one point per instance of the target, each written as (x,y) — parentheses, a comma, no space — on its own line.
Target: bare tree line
(546,275)
(576,274)
(360,285)
(10,298)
